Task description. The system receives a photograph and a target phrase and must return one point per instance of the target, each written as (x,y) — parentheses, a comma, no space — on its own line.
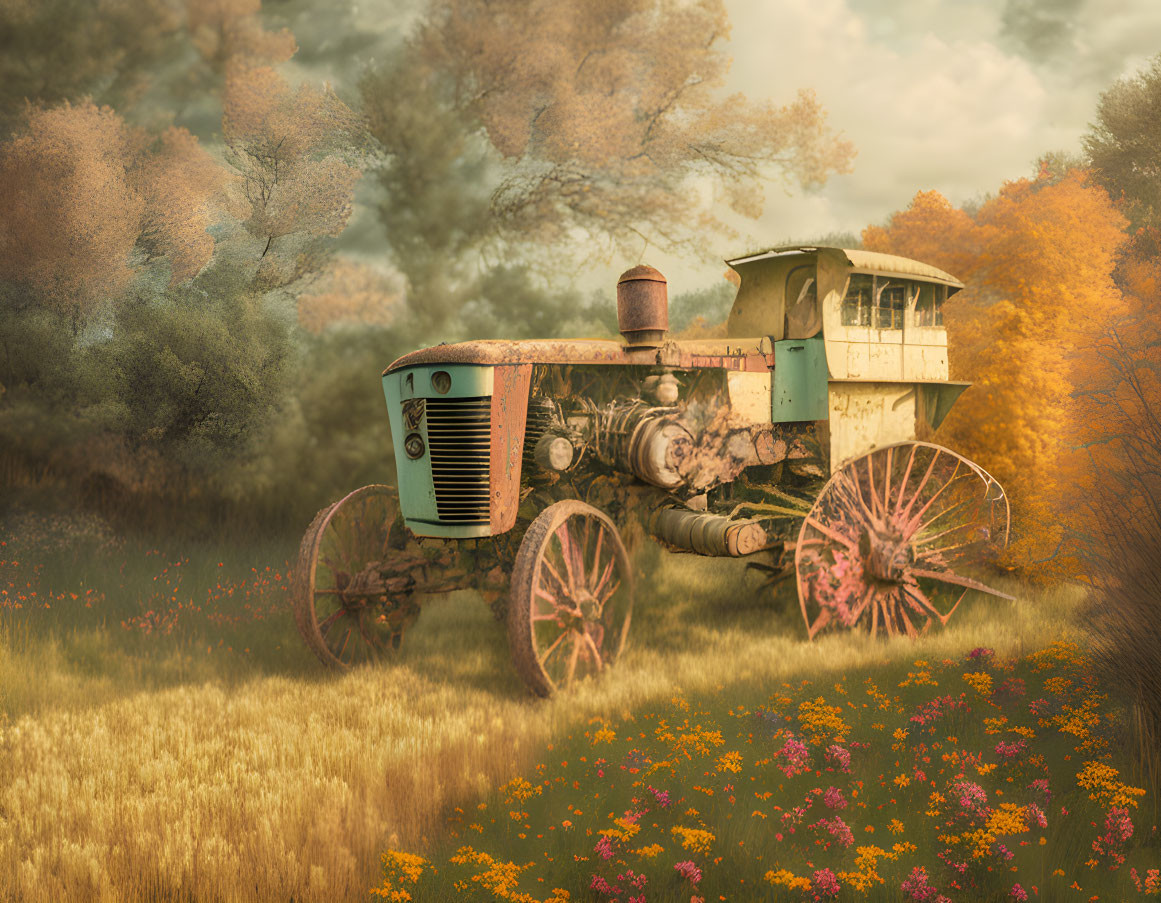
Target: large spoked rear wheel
(888,540)
(571,597)
(344,607)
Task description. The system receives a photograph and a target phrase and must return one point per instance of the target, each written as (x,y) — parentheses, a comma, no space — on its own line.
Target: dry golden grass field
(183,775)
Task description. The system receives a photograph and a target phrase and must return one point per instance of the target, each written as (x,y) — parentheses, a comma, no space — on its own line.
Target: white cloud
(959,116)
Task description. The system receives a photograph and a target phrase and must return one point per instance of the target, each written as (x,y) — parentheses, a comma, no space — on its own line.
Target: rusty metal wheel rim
(579,597)
(340,604)
(887,539)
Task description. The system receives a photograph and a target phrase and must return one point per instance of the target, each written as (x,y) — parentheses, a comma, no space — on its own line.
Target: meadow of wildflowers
(970,778)
(166,735)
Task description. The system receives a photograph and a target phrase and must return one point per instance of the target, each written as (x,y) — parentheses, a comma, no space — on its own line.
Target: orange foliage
(178,181)
(290,148)
(931,230)
(350,293)
(1037,262)
(83,191)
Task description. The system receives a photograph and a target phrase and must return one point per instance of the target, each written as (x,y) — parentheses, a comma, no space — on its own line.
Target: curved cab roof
(866,261)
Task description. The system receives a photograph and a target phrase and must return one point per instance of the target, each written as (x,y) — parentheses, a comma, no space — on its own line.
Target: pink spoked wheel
(890,536)
(571,597)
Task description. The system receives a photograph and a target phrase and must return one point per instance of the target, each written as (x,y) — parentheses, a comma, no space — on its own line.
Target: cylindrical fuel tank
(642,307)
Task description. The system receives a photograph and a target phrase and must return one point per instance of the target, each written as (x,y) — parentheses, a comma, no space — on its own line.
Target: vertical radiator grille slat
(459,438)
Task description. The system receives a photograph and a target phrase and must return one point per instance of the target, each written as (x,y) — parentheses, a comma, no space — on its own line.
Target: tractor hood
(732,353)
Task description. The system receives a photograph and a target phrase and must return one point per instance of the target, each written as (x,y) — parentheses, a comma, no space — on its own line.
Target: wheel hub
(886,557)
(589,609)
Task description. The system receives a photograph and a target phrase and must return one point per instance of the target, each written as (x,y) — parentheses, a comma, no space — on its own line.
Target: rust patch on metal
(728,354)
(509,417)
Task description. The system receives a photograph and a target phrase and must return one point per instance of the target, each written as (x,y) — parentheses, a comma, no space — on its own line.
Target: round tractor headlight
(414,446)
(441,381)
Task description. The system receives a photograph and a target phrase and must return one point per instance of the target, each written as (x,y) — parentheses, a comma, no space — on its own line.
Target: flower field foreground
(964,780)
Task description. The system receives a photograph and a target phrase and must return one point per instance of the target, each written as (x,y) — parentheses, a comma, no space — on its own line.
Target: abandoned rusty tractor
(522,465)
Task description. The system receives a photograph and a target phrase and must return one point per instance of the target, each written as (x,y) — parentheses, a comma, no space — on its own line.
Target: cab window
(890,303)
(929,305)
(856,310)
(796,279)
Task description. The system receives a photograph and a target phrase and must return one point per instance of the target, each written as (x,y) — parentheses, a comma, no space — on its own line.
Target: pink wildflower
(662,796)
(797,757)
(1118,829)
(838,829)
(834,799)
(689,871)
(839,756)
(1010,750)
(824,884)
(971,796)
(916,888)
(631,877)
(1018,892)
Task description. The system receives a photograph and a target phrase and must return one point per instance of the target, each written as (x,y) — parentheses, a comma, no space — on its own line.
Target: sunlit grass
(181,765)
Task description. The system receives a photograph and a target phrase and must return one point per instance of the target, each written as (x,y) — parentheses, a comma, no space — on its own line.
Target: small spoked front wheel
(348,606)
(571,597)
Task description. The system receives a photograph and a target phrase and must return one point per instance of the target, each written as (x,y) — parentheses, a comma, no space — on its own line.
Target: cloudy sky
(955,95)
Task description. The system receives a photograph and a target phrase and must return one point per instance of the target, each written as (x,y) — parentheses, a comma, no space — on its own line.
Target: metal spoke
(887,482)
(552,648)
(556,576)
(957,580)
(597,558)
(571,673)
(346,640)
(608,572)
(325,625)
(871,483)
(918,518)
(919,489)
(832,534)
(593,648)
(612,591)
(906,477)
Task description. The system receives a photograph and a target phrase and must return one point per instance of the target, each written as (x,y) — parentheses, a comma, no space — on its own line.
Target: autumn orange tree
(1037,261)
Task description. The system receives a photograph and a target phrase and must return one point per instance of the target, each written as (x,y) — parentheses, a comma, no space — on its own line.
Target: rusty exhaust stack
(642,307)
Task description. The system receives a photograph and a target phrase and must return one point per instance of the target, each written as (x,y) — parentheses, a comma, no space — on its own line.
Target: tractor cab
(858,338)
